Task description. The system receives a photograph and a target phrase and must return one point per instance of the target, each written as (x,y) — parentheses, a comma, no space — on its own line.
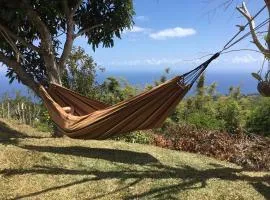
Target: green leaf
(11,80)
(256,76)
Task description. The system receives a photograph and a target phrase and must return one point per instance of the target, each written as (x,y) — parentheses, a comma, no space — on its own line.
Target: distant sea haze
(224,80)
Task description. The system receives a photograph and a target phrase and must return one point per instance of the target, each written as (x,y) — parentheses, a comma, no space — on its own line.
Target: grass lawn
(35,166)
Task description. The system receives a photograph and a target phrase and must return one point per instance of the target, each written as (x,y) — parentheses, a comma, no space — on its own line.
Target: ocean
(224,80)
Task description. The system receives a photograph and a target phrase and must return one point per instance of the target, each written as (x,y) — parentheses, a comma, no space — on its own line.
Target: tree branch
(81,32)
(42,29)
(21,40)
(70,33)
(46,42)
(24,77)
(244,11)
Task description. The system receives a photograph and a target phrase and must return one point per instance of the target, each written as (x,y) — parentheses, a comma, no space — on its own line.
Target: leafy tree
(32,32)
(80,73)
(235,92)
(212,89)
(200,85)
(163,78)
(199,99)
(114,90)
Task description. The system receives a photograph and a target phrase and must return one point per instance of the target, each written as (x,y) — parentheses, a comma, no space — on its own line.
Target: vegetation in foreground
(63,168)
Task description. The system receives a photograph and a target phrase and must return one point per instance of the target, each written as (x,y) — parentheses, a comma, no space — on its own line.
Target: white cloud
(176,61)
(172,33)
(136,29)
(152,62)
(142,18)
(245,59)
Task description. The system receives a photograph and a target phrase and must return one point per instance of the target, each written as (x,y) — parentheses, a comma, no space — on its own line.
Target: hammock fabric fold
(95,120)
(145,111)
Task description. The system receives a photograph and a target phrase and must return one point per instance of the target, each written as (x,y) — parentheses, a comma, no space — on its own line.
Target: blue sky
(167,33)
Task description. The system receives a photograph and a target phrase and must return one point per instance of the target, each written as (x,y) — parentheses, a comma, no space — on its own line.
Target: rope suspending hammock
(92,119)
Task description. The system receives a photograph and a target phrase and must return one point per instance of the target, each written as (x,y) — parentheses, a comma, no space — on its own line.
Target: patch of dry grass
(63,168)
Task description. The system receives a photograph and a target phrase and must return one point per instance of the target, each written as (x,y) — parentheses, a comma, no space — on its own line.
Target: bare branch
(244,11)
(21,40)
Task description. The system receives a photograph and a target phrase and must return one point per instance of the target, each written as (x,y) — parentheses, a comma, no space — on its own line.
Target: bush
(259,118)
(141,137)
(230,112)
(251,152)
(204,120)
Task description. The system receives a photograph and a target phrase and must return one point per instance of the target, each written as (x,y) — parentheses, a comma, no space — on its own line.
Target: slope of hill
(35,166)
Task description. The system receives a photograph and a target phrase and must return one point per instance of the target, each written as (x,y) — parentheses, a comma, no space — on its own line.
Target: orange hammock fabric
(95,120)
(92,119)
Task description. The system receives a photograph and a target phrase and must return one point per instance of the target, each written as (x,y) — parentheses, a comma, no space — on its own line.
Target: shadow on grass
(189,177)
(113,155)
(263,188)
(7,132)
(9,135)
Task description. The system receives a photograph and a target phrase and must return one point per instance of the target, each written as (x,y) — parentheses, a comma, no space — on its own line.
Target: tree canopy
(36,36)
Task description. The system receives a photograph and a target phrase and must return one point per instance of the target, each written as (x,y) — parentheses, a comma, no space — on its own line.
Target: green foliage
(45,122)
(235,92)
(259,118)
(256,76)
(204,120)
(80,76)
(114,90)
(200,85)
(206,110)
(141,137)
(99,21)
(163,78)
(210,111)
(80,73)
(229,111)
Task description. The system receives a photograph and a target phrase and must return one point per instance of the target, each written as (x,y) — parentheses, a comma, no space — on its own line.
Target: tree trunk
(53,71)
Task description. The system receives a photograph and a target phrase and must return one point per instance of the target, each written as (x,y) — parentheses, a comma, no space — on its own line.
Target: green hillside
(35,166)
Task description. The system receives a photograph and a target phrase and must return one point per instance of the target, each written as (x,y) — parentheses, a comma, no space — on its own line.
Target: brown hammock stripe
(85,106)
(95,120)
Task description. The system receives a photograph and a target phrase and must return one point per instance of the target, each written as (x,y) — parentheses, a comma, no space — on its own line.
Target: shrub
(249,151)
(230,112)
(204,120)
(141,137)
(259,118)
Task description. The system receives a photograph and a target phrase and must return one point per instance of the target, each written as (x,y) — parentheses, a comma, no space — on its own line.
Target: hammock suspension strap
(190,78)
